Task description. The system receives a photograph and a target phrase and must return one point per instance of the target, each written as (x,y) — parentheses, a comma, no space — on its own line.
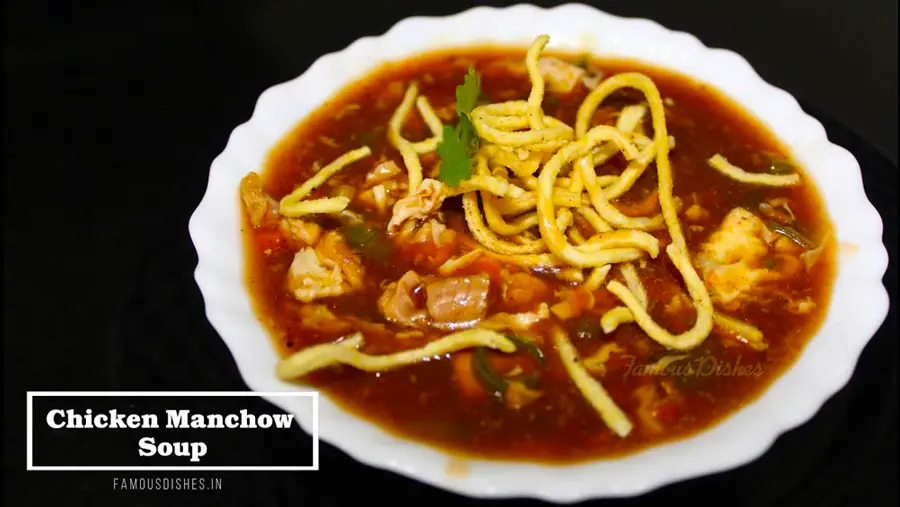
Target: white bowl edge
(858,307)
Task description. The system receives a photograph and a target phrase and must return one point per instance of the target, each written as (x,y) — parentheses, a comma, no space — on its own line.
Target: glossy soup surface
(437,401)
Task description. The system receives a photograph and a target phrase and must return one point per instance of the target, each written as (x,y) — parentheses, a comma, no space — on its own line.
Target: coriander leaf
(456,165)
(466,134)
(468,92)
(458,145)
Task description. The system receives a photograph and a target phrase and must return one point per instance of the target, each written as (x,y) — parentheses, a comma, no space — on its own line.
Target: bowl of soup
(567,257)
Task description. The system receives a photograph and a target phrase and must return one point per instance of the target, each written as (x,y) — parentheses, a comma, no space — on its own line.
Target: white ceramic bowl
(859,301)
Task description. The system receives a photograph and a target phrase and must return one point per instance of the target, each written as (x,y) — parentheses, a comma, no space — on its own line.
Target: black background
(113,112)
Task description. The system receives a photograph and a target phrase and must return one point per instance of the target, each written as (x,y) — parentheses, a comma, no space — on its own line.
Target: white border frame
(29,417)
(858,306)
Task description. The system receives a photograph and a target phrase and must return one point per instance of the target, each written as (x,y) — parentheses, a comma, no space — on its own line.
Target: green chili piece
(791,233)
(488,377)
(529,347)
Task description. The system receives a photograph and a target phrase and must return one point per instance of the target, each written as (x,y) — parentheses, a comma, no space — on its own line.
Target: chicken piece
(696,213)
(561,76)
(301,231)
(461,299)
(313,277)
(801,306)
(318,317)
(398,303)
(434,231)
(256,202)
(382,172)
(732,259)
(377,198)
(333,248)
(518,395)
(425,201)
(330,269)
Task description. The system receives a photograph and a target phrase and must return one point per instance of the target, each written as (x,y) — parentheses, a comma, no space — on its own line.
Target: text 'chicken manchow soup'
(539,257)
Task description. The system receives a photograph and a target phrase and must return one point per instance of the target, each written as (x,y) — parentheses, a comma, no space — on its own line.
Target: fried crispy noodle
(323,205)
(611,320)
(628,121)
(451,266)
(345,352)
(622,238)
(491,184)
(633,282)
(677,250)
(594,219)
(516,321)
(744,332)
(551,137)
(704,321)
(577,255)
(529,261)
(589,387)
(564,219)
(619,315)
(324,173)
(487,237)
(536,97)
(434,125)
(721,164)
(575,236)
(293,204)
(596,278)
(499,225)
(631,173)
(506,157)
(410,151)
(609,212)
(561,198)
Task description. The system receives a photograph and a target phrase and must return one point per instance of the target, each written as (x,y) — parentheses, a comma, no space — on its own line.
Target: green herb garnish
(583,61)
(468,92)
(458,145)
(367,241)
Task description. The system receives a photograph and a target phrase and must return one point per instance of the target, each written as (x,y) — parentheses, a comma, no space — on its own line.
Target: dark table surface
(113,112)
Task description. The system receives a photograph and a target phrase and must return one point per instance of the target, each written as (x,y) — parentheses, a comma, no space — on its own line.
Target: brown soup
(445,400)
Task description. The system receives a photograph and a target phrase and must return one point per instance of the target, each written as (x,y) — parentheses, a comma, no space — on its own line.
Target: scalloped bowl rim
(859,301)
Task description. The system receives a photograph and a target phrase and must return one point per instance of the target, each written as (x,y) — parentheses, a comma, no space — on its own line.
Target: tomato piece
(523,290)
(269,239)
(667,412)
(464,375)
